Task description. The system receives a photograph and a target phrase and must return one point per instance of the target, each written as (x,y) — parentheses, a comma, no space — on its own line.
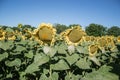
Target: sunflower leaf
(61,65)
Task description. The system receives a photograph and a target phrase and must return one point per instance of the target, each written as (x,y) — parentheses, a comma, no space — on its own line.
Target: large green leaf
(82,49)
(95,60)
(16,62)
(32,68)
(51,51)
(19,48)
(62,49)
(29,54)
(44,77)
(6,45)
(15,53)
(83,64)
(71,49)
(40,59)
(72,59)
(3,56)
(101,74)
(32,43)
(54,76)
(61,65)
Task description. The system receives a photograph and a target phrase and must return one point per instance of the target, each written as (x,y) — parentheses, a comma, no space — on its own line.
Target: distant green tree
(114,30)
(72,25)
(4,27)
(28,27)
(60,27)
(95,30)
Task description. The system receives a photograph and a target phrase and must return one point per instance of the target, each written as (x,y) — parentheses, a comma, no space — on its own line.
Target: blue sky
(83,12)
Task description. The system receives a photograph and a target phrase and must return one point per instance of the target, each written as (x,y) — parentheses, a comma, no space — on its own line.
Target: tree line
(91,30)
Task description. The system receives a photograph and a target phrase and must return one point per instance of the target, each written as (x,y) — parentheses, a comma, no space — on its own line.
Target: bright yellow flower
(74,35)
(45,34)
(93,49)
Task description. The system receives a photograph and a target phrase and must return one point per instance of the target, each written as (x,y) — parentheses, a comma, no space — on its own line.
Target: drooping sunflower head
(92,38)
(93,49)
(2,34)
(102,42)
(62,35)
(10,36)
(27,34)
(87,38)
(20,25)
(45,34)
(118,39)
(109,39)
(74,35)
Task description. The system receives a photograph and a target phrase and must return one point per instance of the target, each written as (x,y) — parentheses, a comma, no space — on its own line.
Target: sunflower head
(45,34)
(2,34)
(87,38)
(74,35)
(27,34)
(10,36)
(92,38)
(20,25)
(109,39)
(102,42)
(118,39)
(93,49)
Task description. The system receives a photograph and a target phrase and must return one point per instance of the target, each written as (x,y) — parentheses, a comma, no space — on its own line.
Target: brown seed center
(45,34)
(93,49)
(75,36)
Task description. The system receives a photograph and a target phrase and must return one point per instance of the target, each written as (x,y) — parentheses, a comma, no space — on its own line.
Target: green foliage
(3,56)
(83,64)
(16,62)
(73,25)
(60,65)
(114,31)
(95,30)
(60,27)
(101,74)
(27,60)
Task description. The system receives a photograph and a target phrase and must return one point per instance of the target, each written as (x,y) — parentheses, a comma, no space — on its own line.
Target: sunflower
(92,38)
(102,42)
(10,36)
(17,32)
(62,34)
(20,25)
(93,49)
(110,42)
(87,38)
(2,34)
(118,39)
(74,35)
(45,34)
(27,34)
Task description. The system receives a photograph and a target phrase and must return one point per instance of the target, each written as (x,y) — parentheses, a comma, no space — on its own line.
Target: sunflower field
(42,54)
